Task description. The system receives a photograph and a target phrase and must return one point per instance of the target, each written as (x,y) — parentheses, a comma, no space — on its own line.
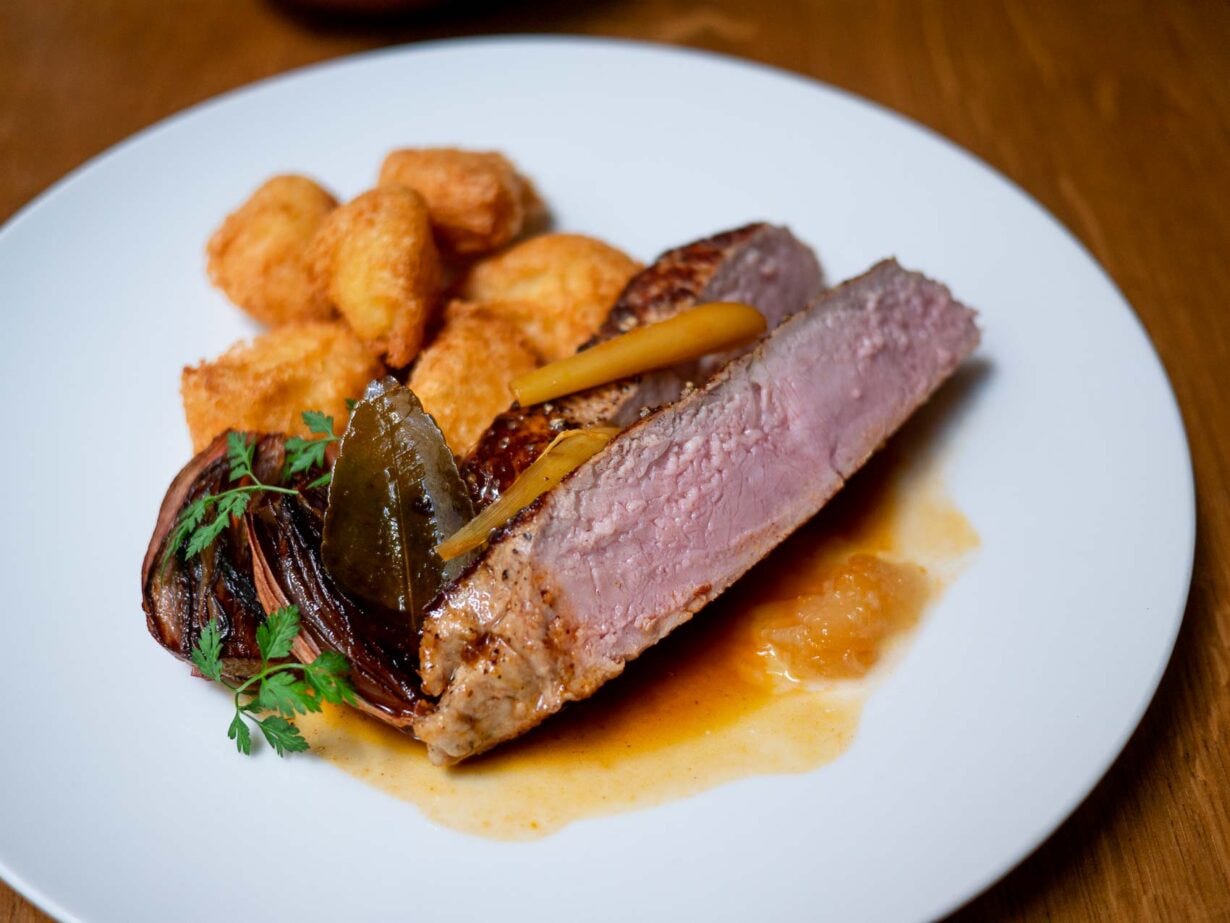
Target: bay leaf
(395,495)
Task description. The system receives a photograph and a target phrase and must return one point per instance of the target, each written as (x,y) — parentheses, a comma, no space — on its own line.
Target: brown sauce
(769,679)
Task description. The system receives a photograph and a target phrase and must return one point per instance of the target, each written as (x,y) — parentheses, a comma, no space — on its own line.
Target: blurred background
(1115,116)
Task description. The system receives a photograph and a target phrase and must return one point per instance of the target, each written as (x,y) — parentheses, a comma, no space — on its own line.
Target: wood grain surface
(1115,116)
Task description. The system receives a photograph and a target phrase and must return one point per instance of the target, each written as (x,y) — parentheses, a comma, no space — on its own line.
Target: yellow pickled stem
(565,453)
(705,329)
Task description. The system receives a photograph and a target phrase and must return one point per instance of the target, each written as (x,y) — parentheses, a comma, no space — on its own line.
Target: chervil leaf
(283,736)
(239,733)
(317,422)
(323,481)
(304,454)
(274,637)
(232,505)
(301,455)
(194,513)
(327,675)
(206,654)
(296,444)
(190,519)
(203,537)
(282,693)
(239,452)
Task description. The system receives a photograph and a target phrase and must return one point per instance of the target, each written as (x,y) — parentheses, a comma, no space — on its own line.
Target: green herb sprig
(282,690)
(306,454)
(195,530)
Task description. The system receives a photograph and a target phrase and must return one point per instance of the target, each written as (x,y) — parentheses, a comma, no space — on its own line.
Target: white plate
(121,800)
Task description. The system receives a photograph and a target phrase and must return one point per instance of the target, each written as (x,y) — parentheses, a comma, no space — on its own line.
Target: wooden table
(1115,116)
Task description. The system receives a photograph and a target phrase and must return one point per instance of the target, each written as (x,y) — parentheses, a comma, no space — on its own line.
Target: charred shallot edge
(566,452)
(182,596)
(689,335)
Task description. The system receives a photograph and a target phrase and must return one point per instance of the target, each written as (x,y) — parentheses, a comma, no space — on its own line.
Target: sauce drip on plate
(769,679)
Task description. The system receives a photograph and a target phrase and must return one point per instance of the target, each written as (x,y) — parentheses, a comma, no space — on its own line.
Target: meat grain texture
(679,506)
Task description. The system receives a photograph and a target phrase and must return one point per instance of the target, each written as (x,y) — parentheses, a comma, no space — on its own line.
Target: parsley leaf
(283,736)
(284,694)
(239,733)
(206,654)
(327,675)
(274,637)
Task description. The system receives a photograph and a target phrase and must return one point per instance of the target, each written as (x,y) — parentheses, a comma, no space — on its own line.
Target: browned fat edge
(674,281)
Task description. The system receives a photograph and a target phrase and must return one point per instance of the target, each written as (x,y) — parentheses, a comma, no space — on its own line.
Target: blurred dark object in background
(363,7)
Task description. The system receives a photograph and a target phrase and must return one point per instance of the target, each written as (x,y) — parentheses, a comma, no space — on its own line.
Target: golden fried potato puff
(264,385)
(558,288)
(462,378)
(374,258)
(477,200)
(257,256)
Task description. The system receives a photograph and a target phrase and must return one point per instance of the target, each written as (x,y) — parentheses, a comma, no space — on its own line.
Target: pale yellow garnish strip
(565,453)
(705,329)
